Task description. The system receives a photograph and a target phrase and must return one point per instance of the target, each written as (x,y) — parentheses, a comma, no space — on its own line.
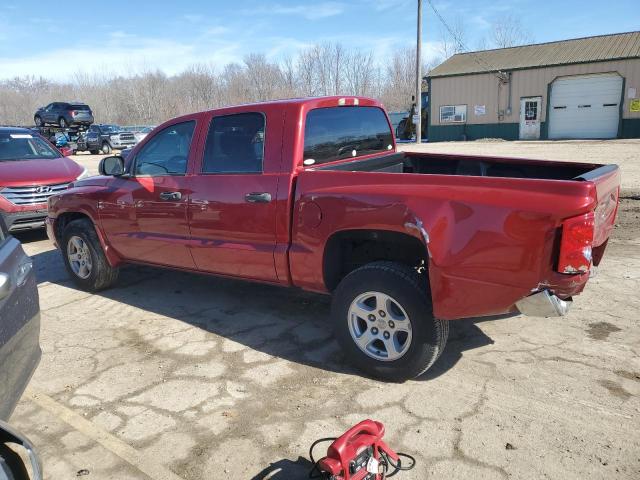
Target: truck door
(232,209)
(146,218)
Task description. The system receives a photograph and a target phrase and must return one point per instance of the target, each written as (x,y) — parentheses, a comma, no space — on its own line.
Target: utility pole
(419,76)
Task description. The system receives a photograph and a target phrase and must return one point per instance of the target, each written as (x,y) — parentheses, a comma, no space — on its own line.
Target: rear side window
(337,133)
(167,152)
(235,144)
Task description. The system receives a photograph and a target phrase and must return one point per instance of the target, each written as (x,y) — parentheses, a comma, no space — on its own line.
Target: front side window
(453,114)
(235,144)
(336,133)
(24,146)
(167,152)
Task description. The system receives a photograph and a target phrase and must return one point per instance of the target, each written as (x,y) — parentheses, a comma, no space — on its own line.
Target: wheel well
(65,219)
(348,250)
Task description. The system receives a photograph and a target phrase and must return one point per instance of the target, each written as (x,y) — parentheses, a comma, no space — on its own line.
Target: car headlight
(85,173)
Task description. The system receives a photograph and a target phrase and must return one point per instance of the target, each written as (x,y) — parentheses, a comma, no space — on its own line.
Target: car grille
(126,137)
(32,195)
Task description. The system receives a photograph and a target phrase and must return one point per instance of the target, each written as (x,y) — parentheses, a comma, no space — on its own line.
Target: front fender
(81,200)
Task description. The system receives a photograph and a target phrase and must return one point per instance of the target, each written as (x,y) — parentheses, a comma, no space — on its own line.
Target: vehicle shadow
(29,236)
(285,469)
(281,322)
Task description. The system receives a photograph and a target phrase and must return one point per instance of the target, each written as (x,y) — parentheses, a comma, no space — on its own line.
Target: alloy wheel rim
(79,257)
(379,326)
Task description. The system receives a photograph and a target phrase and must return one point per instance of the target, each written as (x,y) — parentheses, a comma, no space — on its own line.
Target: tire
(11,465)
(38,121)
(408,300)
(62,123)
(90,270)
(106,148)
(94,152)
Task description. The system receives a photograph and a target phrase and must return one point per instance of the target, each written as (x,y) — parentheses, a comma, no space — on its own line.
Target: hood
(38,172)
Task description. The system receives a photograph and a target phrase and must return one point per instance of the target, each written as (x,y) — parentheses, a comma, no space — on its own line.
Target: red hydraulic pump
(359,454)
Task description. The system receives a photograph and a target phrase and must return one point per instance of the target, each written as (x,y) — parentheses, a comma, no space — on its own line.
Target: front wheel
(383,320)
(84,258)
(106,148)
(38,121)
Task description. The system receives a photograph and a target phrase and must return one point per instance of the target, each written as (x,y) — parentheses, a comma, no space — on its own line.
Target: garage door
(585,106)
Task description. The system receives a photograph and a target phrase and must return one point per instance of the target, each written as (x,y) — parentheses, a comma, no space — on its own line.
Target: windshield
(80,106)
(24,146)
(110,128)
(345,132)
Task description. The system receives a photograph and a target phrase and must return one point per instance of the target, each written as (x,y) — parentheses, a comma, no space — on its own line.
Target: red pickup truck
(311,193)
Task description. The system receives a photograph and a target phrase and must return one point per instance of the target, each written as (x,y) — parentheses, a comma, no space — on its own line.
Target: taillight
(576,243)
(73,113)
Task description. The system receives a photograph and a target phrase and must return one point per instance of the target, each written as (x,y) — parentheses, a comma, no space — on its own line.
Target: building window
(453,114)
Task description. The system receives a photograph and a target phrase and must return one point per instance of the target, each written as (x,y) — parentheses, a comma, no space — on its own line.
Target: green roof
(577,50)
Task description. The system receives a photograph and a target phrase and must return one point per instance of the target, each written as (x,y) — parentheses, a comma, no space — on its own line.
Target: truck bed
(492,225)
(474,166)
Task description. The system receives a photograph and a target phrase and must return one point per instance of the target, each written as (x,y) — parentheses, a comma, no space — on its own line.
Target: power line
(460,44)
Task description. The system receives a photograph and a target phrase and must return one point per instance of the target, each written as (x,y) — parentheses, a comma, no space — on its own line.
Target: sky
(126,37)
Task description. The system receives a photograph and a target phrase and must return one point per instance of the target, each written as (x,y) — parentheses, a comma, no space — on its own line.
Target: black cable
(397,467)
(312,473)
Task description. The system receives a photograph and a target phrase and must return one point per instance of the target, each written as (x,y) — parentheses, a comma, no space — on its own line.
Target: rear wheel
(383,320)
(62,122)
(106,148)
(84,258)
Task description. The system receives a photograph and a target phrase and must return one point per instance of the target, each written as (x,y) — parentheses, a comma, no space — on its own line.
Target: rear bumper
(455,297)
(544,304)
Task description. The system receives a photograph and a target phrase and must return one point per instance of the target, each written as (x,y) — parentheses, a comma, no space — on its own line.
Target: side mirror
(113,166)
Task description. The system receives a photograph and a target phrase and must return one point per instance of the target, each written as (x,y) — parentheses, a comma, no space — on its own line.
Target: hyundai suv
(64,114)
(31,170)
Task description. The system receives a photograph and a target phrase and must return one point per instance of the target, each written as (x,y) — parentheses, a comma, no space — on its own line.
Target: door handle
(170,196)
(5,285)
(258,197)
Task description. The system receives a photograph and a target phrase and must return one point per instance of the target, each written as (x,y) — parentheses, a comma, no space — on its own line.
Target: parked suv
(31,170)
(64,114)
(19,351)
(105,138)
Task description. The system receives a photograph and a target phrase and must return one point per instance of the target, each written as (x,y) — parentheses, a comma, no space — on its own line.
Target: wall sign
(634,105)
(479,110)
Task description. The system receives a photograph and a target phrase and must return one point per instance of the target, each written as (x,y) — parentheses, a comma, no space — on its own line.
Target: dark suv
(64,114)
(105,138)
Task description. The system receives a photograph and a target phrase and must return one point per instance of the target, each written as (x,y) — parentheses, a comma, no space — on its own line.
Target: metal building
(580,88)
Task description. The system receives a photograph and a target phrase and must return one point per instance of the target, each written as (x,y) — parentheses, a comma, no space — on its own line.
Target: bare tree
(453,39)
(508,31)
(148,96)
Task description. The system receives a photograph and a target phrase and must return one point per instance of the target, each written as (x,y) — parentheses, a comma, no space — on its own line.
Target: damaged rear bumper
(544,304)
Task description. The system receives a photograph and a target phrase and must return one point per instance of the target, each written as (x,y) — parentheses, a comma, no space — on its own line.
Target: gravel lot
(176,376)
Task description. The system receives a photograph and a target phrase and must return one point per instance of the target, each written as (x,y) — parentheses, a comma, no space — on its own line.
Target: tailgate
(607,183)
